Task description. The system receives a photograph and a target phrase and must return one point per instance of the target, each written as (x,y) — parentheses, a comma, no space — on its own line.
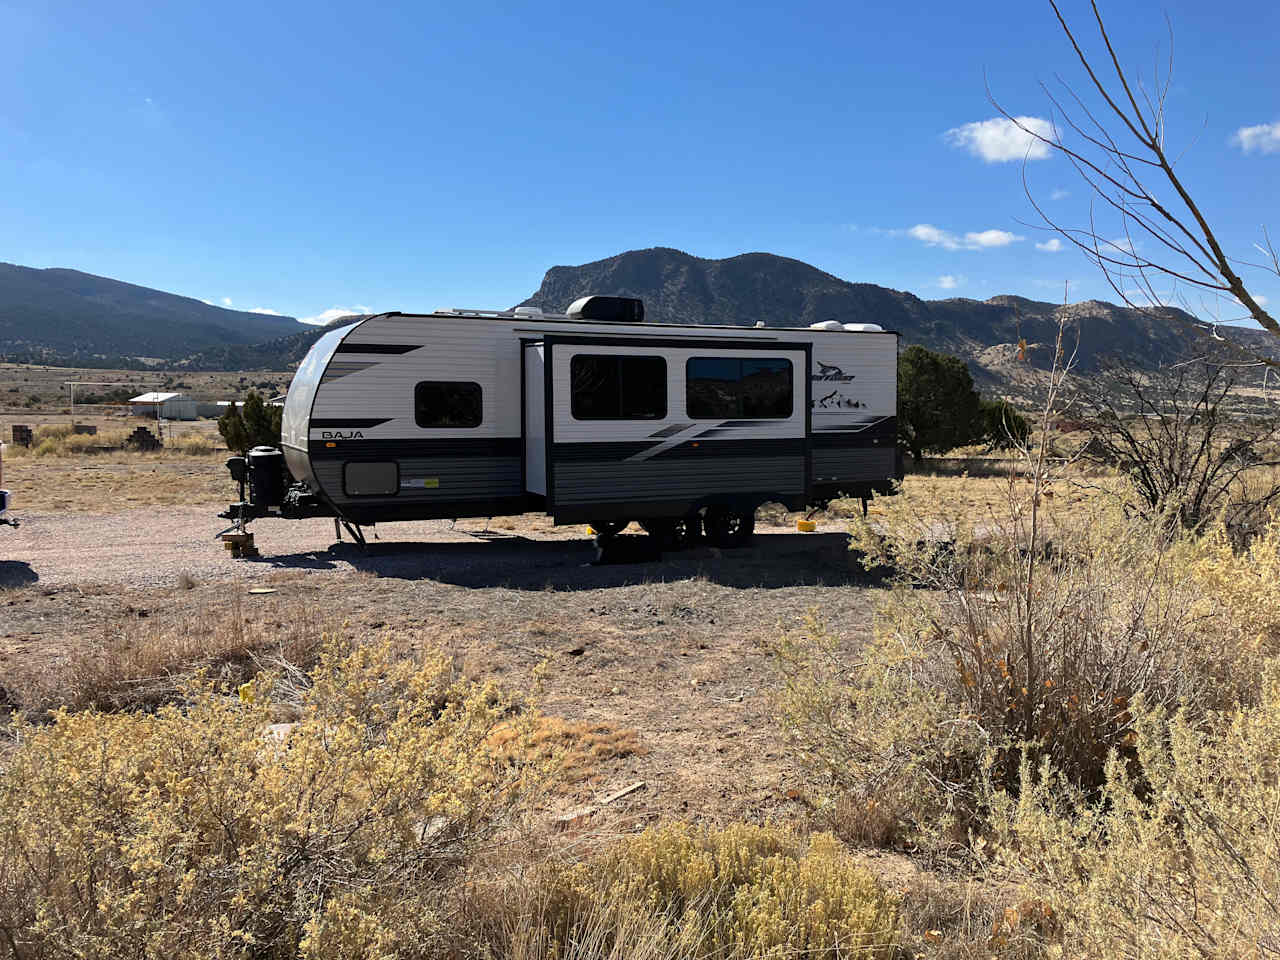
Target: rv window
(738,388)
(448,403)
(371,479)
(617,387)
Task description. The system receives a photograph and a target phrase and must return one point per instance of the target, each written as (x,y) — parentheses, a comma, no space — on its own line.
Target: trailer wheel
(673,533)
(729,527)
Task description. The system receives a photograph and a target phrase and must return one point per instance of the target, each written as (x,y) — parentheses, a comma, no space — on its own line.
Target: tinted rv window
(448,403)
(738,388)
(371,479)
(618,387)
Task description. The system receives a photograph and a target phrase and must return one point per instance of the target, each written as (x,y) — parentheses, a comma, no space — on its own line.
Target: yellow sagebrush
(193,832)
(681,892)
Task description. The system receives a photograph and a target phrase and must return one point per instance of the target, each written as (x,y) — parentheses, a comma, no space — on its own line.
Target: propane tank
(266,477)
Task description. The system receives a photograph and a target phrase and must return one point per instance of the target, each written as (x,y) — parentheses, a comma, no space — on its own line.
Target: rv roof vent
(864,328)
(607,309)
(826,325)
(527,311)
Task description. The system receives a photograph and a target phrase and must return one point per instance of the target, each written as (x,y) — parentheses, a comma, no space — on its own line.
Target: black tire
(673,533)
(729,527)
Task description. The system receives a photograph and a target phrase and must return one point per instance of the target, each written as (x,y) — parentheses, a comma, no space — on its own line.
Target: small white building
(164,406)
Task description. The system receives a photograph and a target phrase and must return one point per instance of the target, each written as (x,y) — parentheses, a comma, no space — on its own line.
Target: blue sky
(307,157)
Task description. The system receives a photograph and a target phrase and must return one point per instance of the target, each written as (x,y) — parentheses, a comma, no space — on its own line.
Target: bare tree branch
(1120,152)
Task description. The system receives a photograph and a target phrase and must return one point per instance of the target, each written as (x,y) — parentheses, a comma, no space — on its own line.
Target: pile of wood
(142,440)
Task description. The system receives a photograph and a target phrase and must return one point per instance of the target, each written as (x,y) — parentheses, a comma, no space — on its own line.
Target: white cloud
(226,301)
(1059,194)
(949,281)
(1265,138)
(1118,245)
(333,313)
(928,233)
(1052,245)
(1000,140)
(933,236)
(270,313)
(990,238)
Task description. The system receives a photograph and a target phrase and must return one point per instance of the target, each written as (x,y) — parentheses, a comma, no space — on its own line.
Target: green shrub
(197,832)
(938,407)
(256,424)
(679,892)
(1002,426)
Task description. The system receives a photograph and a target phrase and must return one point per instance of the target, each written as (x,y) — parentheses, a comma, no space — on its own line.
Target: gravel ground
(673,653)
(152,548)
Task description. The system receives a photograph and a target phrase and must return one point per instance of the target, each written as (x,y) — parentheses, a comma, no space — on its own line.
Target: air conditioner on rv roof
(607,309)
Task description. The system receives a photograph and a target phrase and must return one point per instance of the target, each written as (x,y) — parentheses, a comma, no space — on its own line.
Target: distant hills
(680,288)
(65,317)
(70,318)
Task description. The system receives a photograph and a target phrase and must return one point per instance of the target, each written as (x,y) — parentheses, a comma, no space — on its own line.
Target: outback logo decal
(342,434)
(835,399)
(827,371)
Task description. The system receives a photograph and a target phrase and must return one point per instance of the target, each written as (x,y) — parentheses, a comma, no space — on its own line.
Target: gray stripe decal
(852,426)
(341,368)
(673,429)
(672,434)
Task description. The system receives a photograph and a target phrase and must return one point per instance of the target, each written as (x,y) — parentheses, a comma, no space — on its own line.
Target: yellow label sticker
(431,483)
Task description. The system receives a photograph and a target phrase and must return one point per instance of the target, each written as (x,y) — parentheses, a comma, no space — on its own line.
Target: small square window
(448,403)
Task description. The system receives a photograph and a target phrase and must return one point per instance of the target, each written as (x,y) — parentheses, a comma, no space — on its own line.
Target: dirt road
(150,548)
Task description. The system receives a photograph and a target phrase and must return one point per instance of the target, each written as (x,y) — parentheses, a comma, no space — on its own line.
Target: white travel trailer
(5,520)
(591,416)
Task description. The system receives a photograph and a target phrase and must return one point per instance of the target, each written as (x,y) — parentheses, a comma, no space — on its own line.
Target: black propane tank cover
(266,477)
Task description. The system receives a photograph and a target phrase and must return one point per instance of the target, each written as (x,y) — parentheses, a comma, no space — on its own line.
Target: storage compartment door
(535,420)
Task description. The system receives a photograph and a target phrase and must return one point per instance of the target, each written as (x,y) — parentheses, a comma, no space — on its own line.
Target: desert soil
(674,650)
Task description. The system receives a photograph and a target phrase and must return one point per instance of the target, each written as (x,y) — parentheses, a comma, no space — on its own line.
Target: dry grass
(580,751)
(142,659)
(959,918)
(19,381)
(110,482)
(979,500)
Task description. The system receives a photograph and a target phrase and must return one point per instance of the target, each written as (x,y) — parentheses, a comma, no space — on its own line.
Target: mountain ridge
(678,287)
(57,314)
(996,336)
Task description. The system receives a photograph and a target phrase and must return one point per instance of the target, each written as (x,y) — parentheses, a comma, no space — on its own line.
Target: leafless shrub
(1188,456)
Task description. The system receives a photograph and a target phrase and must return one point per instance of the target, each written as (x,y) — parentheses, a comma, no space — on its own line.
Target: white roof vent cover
(826,325)
(864,328)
